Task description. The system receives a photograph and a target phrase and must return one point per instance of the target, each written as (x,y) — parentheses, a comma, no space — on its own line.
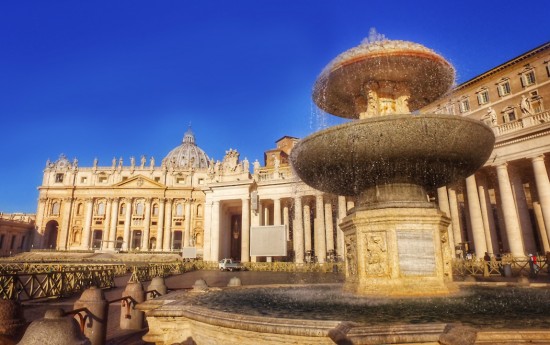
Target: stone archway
(50,235)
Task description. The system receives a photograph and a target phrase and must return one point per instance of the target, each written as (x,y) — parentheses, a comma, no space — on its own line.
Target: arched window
(139,209)
(122,209)
(101,209)
(179,210)
(199,210)
(55,208)
(155,210)
(79,209)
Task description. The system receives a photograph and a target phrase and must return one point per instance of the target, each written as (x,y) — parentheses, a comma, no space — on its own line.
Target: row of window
(139,209)
(527,78)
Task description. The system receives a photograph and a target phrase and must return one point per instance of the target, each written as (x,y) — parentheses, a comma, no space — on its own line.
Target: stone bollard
(235,281)
(200,285)
(131,318)
(95,327)
(12,322)
(157,284)
(54,329)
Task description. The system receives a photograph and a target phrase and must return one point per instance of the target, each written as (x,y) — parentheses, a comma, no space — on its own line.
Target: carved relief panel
(376,259)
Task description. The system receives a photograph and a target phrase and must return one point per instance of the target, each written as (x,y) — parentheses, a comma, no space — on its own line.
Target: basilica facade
(192,201)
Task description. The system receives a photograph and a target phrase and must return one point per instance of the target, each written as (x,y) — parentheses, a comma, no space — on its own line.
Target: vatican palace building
(189,200)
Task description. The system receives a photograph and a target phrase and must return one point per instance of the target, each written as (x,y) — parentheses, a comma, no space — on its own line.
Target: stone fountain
(396,239)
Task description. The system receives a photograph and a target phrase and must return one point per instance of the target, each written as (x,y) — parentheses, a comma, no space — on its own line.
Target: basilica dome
(187,155)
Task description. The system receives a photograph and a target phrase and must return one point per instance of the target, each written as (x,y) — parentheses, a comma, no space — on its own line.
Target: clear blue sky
(125,78)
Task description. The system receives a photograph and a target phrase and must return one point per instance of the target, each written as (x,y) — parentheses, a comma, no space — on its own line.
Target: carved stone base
(398,252)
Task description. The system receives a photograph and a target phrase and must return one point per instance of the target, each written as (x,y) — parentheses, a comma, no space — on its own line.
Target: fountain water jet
(396,239)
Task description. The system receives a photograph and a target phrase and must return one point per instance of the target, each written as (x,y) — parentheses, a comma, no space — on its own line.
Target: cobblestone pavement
(34,310)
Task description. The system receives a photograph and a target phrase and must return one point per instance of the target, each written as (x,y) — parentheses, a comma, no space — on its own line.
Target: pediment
(138,181)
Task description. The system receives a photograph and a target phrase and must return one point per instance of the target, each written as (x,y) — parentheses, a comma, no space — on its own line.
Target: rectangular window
(23,241)
(483,97)
(1,241)
(180,180)
(124,178)
(504,89)
(201,181)
(509,115)
(464,106)
(59,178)
(153,223)
(83,179)
(12,243)
(157,179)
(102,179)
(120,222)
(528,78)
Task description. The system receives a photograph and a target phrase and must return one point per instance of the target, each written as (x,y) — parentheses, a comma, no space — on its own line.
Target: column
(320,232)
(106,224)
(245,230)
(127,223)
(476,219)
(167,234)
(267,215)
(307,227)
(215,231)
(160,225)
(487,214)
(114,221)
(146,226)
(455,216)
(277,211)
(187,228)
(206,246)
(286,221)
(523,211)
(329,229)
(298,231)
(543,190)
(542,229)
(261,215)
(503,245)
(342,213)
(513,231)
(85,244)
(443,202)
(65,230)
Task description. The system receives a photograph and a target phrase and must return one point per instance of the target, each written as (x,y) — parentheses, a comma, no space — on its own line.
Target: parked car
(230,265)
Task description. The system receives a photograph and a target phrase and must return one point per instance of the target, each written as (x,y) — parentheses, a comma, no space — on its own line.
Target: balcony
(524,122)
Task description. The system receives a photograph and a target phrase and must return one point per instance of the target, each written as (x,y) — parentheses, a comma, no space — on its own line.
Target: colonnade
(520,199)
(310,222)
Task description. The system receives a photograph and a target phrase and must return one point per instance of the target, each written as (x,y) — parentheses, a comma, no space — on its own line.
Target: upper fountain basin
(420,74)
(429,150)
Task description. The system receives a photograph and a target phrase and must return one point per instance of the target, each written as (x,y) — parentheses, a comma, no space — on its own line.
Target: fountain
(396,239)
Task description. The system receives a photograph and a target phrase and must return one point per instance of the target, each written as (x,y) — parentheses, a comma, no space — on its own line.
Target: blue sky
(125,78)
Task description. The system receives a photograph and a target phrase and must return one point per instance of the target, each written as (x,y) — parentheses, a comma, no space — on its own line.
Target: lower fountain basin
(429,150)
(323,314)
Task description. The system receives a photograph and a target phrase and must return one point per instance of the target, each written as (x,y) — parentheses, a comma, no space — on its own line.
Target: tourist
(533,266)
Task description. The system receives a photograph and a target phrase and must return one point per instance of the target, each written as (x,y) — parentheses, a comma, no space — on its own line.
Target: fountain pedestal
(398,252)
